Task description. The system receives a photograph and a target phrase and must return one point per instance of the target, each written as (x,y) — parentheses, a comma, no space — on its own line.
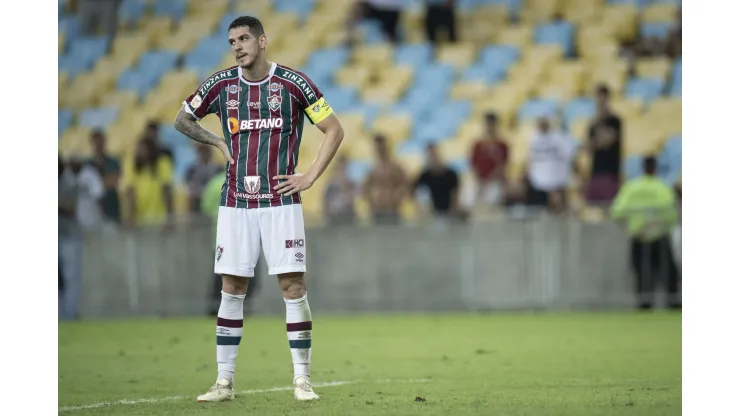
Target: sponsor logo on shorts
(296,243)
(299,257)
(233,89)
(219,252)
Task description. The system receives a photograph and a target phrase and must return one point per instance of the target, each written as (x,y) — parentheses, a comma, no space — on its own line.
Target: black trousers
(440,17)
(653,262)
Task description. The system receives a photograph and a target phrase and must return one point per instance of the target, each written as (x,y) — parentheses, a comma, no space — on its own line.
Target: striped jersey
(262,123)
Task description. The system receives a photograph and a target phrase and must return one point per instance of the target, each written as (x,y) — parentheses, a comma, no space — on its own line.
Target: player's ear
(263,41)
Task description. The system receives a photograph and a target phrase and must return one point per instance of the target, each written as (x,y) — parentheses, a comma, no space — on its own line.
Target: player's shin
(299,325)
(229,333)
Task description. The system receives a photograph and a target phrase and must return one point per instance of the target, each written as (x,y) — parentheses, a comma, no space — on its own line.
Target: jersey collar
(244,80)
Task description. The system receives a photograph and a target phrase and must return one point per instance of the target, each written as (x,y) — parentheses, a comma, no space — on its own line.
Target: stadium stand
(541,57)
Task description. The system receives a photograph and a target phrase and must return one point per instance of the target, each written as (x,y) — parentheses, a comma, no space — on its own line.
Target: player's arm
(187,124)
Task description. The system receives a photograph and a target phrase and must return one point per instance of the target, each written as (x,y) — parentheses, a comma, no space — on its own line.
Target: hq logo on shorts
(236,126)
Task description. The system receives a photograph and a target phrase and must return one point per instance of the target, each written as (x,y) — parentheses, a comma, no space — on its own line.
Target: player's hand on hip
(224,148)
(293,184)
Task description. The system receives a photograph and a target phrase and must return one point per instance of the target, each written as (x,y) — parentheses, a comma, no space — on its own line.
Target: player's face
(245,45)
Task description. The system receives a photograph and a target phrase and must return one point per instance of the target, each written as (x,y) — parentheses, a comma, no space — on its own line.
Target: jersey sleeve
(312,101)
(204,100)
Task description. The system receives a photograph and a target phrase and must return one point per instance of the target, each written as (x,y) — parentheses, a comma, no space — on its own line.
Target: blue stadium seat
(170,136)
(415,56)
(370,112)
(373,32)
(131,10)
(499,57)
(138,81)
(410,147)
(435,77)
(638,3)
(480,72)
(670,157)
(341,98)
(655,29)
(418,110)
(302,8)
(155,64)
(357,170)
(88,50)
(676,2)
(331,58)
(647,89)
(223,26)
(558,33)
(205,56)
(578,108)
(70,25)
(183,155)
(98,117)
(633,166)
(71,66)
(65,120)
(460,165)
(538,108)
(170,8)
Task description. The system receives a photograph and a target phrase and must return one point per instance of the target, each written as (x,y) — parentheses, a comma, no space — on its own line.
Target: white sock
(229,333)
(299,325)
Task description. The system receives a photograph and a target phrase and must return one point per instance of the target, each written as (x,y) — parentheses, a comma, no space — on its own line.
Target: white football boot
(303,389)
(221,391)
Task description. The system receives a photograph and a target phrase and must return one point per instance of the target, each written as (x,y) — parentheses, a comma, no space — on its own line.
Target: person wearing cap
(648,206)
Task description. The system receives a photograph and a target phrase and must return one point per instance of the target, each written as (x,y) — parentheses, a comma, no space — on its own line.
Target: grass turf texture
(503,364)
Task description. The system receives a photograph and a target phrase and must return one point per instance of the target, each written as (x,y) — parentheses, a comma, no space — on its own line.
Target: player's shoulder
(213,80)
(283,71)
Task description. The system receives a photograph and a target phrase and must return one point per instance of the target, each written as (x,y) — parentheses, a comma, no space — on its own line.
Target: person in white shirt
(551,155)
(89,193)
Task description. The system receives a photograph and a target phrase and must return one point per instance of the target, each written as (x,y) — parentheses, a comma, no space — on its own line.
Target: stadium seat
(470,90)
(557,33)
(628,108)
(653,68)
(458,55)
(621,19)
(380,54)
(515,35)
(301,8)
(539,11)
(174,9)
(647,89)
(537,108)
(86,51)
(123,100)
(659,12)
(633,166)
(655,29)
(578,109)
(416,56)
(131,12)
(258,8)
(65,120)
(98,117)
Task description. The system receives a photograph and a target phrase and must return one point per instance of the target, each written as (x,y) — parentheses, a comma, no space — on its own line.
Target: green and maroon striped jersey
(262,122)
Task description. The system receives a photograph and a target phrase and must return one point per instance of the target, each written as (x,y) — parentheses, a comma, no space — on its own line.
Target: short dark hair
(602,89)
(253,23)
(491,117)
(650,164)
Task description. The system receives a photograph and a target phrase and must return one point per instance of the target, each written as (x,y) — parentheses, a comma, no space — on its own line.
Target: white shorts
(278,230)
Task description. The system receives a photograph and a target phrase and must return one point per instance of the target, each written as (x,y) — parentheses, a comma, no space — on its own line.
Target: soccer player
(261,106)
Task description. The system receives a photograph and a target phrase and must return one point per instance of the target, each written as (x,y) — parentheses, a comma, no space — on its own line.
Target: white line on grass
(125,402)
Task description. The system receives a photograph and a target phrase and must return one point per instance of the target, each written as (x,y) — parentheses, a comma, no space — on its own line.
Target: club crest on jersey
(252,184)
(274,102)
(275,87)
(233,89)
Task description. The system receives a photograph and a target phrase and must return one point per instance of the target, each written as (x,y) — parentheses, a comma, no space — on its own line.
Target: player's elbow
(181,120)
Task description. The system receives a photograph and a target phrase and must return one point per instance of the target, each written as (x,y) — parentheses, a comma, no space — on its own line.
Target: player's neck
(257,72)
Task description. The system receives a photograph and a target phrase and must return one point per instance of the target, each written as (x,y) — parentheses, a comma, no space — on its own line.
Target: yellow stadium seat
(412,164)
(596,53)
(360,148)
(654,67)
(63,82)
(157,28)
(180,83)
(385,93)
(543,54)
(354,122)
(517,35)
(81,94)
(395,127)
(452,149)
(375,55)
(307,39)
(627,108)
(60,42)
(659,12)
(470,131)
(583,11)
(558,91)
(276,23)
(459,55)
(200,7)
(74,140)
(666,113)
(642,137)
(570,72)
(123,100)
(621,19)
(470,90)
(259,8)
(539,11)
(413,23)
(395,73)
(294,58)
(611,73)
(355,75)
(579,129)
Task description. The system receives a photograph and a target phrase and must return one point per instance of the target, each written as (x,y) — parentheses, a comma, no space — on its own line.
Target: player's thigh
(237,242)
(284,239)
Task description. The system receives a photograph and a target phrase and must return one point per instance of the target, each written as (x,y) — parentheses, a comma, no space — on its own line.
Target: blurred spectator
(605,145)
(339,197)
(385,186)
(90,192)
(674,43)
(70,243)
(443,185)
(386,12)
(489,160)
(551,156)
(198,175)
(109,169)
(151,132)
(147,183)
(649,207)
(440,16)
(98,16)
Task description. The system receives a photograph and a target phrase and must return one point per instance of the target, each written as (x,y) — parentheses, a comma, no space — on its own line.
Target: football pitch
(570,364)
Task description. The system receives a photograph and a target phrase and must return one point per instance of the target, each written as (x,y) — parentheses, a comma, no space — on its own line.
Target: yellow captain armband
(318,111)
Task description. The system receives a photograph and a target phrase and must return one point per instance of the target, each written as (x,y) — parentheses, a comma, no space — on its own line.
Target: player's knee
(234,285)
(292,285)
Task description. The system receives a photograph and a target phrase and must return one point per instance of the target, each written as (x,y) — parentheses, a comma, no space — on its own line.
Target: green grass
(499,364)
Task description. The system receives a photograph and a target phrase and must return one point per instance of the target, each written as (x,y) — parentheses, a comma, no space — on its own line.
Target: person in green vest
(648,206)
(209,204)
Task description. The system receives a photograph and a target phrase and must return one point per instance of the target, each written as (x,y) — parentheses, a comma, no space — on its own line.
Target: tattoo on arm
(186,124)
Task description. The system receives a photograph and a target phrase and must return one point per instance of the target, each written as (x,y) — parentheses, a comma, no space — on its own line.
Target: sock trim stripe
(300,343)
(300,326)
(228,340)
(230,323)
